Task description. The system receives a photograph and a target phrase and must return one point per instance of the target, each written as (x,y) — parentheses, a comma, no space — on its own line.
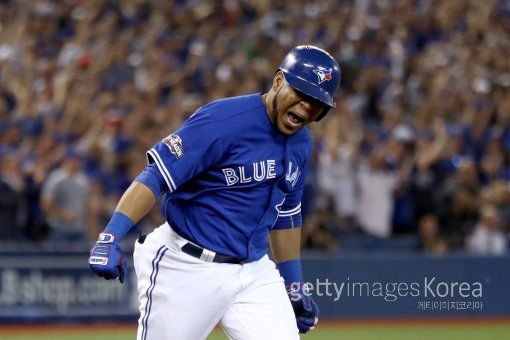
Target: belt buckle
(207,255)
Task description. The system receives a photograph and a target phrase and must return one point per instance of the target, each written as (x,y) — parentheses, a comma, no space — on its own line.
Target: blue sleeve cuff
(288,222)
(152,179)
(291,271)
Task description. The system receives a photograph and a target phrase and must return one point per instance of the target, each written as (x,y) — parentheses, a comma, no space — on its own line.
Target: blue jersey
(232,177)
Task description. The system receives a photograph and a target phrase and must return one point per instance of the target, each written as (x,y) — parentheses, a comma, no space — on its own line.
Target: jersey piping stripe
(288,215)
(168,179)
(155,269)
(285,213)
(166,175)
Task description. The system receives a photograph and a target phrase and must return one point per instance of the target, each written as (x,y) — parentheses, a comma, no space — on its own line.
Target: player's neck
(267,105)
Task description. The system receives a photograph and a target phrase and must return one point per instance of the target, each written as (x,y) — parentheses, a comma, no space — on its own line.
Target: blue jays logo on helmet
(324,75)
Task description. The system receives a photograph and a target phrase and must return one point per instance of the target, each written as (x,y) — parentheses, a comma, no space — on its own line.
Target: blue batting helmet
(314,72)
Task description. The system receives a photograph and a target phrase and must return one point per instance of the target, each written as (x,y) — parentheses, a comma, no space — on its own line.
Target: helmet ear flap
(323,113)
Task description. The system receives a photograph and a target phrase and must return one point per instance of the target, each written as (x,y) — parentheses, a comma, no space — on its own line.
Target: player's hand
(107,259)
(305,309)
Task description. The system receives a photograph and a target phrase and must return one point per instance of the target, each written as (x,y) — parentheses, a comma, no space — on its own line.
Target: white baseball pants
(183,298)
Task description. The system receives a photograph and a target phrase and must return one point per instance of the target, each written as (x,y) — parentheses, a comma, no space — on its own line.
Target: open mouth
(295,119)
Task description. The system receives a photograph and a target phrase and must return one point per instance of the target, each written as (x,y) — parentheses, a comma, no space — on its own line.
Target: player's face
(291,110)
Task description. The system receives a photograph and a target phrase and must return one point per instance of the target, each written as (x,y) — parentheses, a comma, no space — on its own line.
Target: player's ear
(278,80)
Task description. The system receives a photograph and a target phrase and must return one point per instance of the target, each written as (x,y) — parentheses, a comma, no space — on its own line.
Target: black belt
(196,251)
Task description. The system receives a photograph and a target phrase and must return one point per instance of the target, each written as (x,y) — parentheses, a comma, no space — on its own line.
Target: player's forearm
(285,244)
(136,202)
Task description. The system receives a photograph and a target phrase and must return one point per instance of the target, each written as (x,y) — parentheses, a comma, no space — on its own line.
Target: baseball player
(230,180)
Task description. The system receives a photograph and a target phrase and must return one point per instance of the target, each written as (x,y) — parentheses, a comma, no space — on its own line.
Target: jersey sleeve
(191,149)
(289,215)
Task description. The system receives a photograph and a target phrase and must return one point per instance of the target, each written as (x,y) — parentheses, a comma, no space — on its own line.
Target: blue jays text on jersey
(232,177)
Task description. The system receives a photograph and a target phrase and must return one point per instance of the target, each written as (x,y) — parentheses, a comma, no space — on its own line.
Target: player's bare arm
(285,244)
(136,202)
(285,247)
(106,257)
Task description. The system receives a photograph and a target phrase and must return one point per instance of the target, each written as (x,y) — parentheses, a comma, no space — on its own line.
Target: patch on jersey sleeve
(174,143)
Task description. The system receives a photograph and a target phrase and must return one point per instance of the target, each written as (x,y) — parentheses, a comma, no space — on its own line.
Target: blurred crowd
(419,143)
